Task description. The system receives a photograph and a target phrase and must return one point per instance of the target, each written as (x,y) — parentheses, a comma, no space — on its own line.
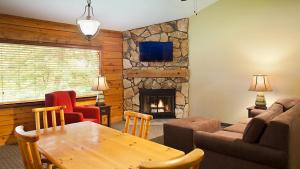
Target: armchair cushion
(231,144)
(72,117)
(91,112)
(59,98)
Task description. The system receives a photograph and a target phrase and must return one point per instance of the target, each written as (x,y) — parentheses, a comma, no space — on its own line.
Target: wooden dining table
(87,145)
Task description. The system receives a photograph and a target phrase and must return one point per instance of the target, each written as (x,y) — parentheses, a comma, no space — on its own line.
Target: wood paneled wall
(15,29)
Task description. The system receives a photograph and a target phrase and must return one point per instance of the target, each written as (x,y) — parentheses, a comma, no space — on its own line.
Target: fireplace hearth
(160,103)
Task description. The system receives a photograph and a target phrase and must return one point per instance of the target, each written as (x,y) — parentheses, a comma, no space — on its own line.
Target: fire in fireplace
(160,103)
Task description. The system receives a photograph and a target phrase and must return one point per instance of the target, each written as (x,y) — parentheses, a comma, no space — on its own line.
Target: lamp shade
(100,84)
(260,83)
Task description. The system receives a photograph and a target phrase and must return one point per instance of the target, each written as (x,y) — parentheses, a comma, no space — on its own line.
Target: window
(27,72)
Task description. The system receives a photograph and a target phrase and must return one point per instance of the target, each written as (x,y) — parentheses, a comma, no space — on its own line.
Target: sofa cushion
(179,133)
(257,125)
(245,121)
(277,132)
(197,123)
(238,128)
(288,103)
(231,144)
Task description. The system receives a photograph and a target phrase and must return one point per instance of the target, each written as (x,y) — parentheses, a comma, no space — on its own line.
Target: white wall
(234,39)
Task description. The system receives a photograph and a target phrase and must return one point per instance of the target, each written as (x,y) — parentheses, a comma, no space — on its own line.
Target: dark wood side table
(254,111)
(105,111)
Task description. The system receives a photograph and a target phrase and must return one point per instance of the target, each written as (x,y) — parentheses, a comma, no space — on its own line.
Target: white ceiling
(113,14)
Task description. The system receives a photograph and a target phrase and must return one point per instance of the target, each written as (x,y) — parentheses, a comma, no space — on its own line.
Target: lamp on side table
(260,84)
(100,85)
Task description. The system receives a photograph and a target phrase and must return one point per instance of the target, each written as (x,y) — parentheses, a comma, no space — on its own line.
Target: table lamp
(260,84)
(100,85)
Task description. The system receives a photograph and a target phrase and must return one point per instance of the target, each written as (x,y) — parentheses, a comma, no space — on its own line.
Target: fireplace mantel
(178,72)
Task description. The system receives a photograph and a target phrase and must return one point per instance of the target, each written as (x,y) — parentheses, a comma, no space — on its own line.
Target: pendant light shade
(88,25)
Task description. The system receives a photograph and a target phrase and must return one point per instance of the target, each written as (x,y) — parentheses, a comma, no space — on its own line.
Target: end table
(105,111)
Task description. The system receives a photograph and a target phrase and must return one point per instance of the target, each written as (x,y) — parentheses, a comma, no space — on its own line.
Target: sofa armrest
(234,147)
(88,111)
(256,112)
(73,117)
(178,137)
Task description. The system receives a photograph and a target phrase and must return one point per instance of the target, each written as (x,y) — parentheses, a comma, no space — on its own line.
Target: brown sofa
(271,140)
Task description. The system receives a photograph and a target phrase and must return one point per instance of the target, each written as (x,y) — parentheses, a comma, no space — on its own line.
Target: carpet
(10,157)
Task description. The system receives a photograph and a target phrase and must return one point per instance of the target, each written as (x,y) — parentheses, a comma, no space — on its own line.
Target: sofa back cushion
(282,133)
(288,103)
(277,132)
(255,128)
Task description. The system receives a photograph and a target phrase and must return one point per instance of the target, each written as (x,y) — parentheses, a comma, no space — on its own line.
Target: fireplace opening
(160,103)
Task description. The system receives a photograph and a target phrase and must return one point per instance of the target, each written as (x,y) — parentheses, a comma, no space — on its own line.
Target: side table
(105,111)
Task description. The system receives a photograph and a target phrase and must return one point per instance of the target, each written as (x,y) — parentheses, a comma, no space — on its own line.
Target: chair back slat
(189,161)
(135,119)
(126,128)
(143,118)
(44,111)
(146,133)
(141,127)
(28,148)
(62,115)
(36,157)
(53,115)
(37,121)
(45,119)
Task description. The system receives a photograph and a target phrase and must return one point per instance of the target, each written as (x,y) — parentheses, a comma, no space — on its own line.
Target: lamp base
(260,102)
(100,99)
(100,104)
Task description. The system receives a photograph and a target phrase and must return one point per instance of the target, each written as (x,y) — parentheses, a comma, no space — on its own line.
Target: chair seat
(92,120)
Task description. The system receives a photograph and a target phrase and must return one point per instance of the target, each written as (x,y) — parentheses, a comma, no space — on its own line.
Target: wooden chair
(144,123)
(189,161)
(44,112)
(29,150)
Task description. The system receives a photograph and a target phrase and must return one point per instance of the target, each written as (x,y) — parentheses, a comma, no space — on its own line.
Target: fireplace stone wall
(174,31)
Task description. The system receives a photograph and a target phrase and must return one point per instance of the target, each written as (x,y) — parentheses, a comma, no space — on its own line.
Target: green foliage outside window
(27,72)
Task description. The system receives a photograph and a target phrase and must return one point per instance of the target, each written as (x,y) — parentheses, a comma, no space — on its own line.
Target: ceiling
(117,15)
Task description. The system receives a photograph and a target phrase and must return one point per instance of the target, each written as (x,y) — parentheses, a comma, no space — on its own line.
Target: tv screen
(156,51)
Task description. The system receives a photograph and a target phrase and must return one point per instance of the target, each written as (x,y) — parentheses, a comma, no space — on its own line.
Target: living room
(149,84)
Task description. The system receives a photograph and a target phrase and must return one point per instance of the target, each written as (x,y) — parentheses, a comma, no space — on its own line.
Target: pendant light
(88,25)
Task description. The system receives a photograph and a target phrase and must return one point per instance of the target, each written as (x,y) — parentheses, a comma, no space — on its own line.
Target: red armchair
(73,113)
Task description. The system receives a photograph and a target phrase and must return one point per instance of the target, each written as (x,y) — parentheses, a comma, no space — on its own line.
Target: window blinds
(28,72)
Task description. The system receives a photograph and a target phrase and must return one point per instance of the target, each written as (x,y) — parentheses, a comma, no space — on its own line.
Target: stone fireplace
(160,103)
(141,76)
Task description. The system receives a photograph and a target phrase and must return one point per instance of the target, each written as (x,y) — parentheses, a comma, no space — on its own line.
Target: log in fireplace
(160,103)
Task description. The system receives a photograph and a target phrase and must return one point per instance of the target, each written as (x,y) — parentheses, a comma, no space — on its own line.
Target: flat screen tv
(156,51)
